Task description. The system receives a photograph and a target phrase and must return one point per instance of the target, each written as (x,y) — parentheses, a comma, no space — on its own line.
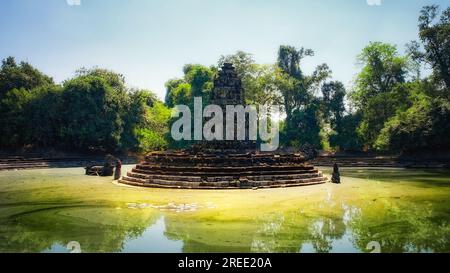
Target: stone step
(223,183)
(284,176)
(224,168)
(221,172)
(227,161)
(22,163)
(167,177)
(141,183)
(228,155)
(224,177)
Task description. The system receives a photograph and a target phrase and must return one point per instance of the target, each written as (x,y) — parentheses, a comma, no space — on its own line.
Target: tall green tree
(383,68)
(146,123)
(22,75)
(43,117)
(377,94)
(19,84)
(94,106)
(170,98)
(196,82)
(200,78)
(422,126)
(434,35)
(289,59)
(303,116)
(333,94)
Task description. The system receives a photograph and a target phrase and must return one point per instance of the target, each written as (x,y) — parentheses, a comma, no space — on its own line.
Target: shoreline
(24,162)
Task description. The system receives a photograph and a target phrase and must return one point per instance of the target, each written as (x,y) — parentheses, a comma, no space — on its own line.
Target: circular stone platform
(223,171)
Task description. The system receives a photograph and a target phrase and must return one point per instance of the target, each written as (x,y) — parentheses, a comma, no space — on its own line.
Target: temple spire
(227,87)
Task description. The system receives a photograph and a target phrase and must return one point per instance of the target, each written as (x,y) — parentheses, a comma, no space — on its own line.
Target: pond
(387,210)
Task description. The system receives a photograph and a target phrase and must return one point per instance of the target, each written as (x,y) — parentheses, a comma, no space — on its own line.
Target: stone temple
(224,164)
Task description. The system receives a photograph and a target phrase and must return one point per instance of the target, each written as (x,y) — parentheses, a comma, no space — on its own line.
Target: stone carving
(227,88)
(106,170)
(336,177)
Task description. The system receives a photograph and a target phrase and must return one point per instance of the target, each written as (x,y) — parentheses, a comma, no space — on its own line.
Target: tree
(435,38)
(304,127)
(171,85)
(377,93)
(94,105)
(197,82)
(181,94)
(383,68)
(18,85)
(333,94)
(200,78)
(243,62)
(43,118)
(345,137)
(289,59)
(13,121)
(423,126)
(406,116)
(146,123)
(23,75)
(303,116)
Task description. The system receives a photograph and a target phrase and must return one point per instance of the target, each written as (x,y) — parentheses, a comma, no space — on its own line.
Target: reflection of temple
(223,164)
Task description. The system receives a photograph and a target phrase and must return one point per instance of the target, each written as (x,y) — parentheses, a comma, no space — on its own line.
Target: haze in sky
(150,41)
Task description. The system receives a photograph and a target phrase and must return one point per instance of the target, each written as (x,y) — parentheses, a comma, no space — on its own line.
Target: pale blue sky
(150,41)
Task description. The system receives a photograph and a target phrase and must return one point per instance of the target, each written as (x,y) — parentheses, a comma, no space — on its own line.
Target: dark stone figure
(94,170)
(106,170)
(336,177)
(308,151)
(118,170)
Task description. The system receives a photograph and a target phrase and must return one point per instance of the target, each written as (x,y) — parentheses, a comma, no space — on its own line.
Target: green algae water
(387,210)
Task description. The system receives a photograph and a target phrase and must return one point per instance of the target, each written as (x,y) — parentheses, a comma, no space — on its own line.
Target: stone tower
(228,91)
(227,88)
(223,164)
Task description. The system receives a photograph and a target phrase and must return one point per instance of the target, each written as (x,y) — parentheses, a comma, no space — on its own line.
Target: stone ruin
(223,164)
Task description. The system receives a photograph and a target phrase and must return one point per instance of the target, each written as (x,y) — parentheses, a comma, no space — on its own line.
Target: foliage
(333,94)
(17,76)
(419,127)
(434,35)
(383,68)
(407,116)
(394,109)
(345,137)
(196,82)
(146,123)
(94,111)
(378,91)
(18,83)
(94,104)
(43,117)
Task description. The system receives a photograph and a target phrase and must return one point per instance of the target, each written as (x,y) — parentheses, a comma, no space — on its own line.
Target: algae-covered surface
(387,210)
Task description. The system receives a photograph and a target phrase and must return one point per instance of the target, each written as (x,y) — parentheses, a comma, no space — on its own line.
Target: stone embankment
(380,162)
(36,161)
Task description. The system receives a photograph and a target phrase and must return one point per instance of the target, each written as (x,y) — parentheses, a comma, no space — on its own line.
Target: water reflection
(396,229)
(153,240)
(400,223)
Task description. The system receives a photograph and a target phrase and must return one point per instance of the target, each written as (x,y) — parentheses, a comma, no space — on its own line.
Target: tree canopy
(389,106)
